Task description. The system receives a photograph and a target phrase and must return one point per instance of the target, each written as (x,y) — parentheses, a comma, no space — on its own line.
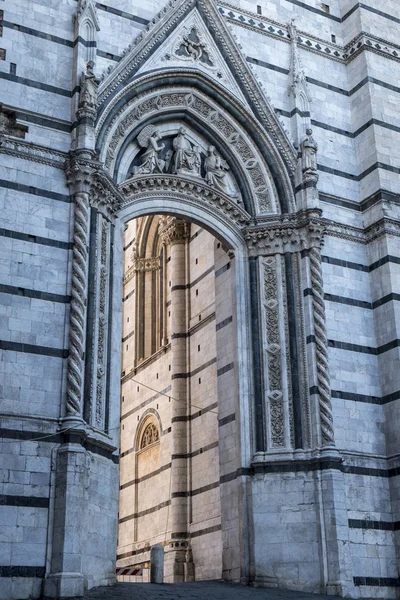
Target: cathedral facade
(200,285)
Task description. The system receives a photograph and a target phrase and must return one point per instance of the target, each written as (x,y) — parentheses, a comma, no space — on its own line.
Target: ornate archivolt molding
(157,103)
(158,30)
(190,191)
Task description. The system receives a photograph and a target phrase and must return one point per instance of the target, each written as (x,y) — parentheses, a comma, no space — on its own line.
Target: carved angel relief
(184,158)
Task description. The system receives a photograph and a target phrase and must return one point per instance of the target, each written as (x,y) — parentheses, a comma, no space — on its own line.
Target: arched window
(150,435)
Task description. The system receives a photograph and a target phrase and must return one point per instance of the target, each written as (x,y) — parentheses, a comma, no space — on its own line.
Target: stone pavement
(200,590)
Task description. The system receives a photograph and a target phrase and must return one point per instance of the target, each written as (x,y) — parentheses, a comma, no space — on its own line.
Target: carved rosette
(274,359)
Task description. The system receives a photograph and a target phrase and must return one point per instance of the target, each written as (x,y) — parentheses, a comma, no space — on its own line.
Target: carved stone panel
(276,354)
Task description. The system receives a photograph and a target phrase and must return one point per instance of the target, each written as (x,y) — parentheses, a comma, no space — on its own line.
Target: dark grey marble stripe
(384,261)
(364,349)
(35,239)
(28,435)
(25,501)
(226,420)
(223,323)
(30,189)
(128,336)
(121,13)
(43,121)
(348,301)
(225,369)
(376,581)
(145,477)
(223,269)
(33,349)
(143,513)
(345,263)
(374,167)
(376,525)
(207,364)
(370,9)
(22,571)
(363,398)
(38,85)
(357,6)
(317,11)
(40,34)
(261,63)
(146,402)
(17,291)
(340,395)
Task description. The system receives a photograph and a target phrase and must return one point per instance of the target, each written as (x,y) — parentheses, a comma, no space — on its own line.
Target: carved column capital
(79,170)
(289,233)
(173,230)
(104,195)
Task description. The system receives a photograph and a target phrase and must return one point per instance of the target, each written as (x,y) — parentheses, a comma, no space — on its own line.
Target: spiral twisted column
(78,305)
(321,343)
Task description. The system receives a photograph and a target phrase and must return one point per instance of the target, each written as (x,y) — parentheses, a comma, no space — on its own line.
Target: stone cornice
(344,54)
(32,152)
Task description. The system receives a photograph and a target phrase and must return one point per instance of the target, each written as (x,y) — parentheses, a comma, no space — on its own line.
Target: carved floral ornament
(225,128)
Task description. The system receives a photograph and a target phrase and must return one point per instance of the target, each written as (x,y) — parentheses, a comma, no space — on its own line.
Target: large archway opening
(178,389)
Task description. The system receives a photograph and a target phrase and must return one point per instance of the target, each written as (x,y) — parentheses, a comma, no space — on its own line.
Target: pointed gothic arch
(264,174)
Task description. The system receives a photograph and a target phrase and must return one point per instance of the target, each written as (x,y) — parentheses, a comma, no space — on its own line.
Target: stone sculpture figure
(196,160)
(216,175)
(309,149)
(89,84)
(151,163)
(194,49)
(185,158)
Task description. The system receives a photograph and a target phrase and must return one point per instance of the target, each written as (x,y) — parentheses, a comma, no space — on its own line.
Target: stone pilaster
(174,233)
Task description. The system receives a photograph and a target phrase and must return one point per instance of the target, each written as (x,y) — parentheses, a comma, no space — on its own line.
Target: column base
(64,585)
(175,562)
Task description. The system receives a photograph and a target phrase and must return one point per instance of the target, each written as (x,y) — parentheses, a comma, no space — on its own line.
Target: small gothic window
(150,435)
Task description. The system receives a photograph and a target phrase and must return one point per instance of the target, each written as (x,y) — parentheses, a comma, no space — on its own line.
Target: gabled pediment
(192,34)
(191,45)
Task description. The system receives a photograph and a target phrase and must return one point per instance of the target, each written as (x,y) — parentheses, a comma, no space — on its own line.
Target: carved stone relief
(183,157)
(101,324)
(274,363)
(137,110)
